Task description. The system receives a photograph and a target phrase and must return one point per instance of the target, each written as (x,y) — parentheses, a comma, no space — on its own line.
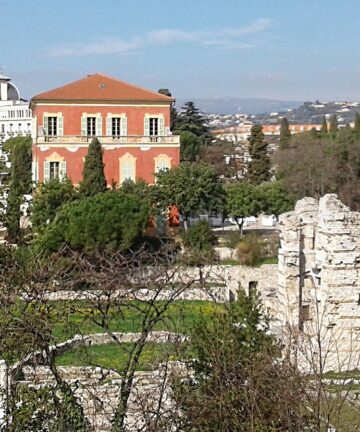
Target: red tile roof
(99,87)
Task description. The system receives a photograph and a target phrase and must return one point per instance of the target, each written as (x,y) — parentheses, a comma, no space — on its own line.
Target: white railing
(131,139)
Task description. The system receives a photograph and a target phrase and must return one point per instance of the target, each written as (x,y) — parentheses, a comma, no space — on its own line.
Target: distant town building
(132,124)
(15,114)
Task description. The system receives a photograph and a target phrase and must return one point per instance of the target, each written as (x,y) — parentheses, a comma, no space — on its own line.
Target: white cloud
(226,38)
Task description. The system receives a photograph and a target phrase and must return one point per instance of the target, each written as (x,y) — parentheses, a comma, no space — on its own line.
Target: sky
(276,49)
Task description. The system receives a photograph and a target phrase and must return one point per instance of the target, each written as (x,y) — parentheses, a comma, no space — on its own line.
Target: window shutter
(123,126)
(34,171)
(60,126)
(161,126)
(62,171)
(108,126)
(46,125)
(98,126)
(146,126)
(83,125)
(46,171)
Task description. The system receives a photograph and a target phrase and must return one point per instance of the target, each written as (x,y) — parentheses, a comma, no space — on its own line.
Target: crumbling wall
(319,284)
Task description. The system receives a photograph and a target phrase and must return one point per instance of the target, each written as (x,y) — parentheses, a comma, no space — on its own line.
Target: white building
(15,114)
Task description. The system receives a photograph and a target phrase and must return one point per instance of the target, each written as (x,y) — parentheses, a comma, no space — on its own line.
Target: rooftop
(100,87)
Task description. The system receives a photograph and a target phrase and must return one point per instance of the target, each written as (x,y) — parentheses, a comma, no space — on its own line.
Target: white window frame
(127,168)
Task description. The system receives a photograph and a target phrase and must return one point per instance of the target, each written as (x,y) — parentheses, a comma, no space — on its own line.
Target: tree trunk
(185,223)
(240,224)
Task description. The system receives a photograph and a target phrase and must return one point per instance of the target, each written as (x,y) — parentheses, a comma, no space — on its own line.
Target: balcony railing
(130,139)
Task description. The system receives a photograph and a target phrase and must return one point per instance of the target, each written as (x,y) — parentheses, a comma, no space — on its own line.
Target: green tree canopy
(242,200)
(109,221)
(93,180)
(48,199)
(190,146)
(192,188)
(285,134)
(274,198)
(259,166)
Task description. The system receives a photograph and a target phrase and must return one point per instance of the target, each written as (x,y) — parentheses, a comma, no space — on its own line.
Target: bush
(232,238)
(107,221)
(199,242)
(249,250)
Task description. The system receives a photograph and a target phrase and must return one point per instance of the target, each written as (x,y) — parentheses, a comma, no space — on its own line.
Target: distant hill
(230,105)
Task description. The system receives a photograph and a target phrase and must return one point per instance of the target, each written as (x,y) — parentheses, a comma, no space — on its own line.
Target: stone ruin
(318,301)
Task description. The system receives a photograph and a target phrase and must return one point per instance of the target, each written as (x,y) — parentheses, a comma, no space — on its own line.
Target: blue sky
(280,49)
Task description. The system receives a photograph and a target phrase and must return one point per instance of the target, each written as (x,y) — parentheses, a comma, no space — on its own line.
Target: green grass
(269,260)
(115,356)
(343,375)
(78,318)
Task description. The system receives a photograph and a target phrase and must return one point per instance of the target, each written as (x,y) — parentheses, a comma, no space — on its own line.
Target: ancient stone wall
(318,285)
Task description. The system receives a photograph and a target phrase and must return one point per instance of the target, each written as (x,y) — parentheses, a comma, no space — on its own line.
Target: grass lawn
(115,356)
(78,318)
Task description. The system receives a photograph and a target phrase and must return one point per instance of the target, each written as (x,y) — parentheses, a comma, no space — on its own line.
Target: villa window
(153,126)
(91,126)
(54,172)
(53,125)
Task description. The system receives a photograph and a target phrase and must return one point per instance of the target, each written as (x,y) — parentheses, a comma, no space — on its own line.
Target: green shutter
(62,171)
(83,125)
(46,125)
(146,126)
(98,126)
(60,126)
(123,126)
(108,126)
(46,171)
(161,126)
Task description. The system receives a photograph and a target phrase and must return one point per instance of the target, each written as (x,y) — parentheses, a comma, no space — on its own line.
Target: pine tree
(285,134)
(357,125)
(333,126)
(259,166)
(190,120)
(93,174)
(324,127)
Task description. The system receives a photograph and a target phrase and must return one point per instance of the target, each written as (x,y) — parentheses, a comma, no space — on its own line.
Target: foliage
(221,155)
(45,409)
(249,250)
(199,243)
(173,111)
(316,166)
(112,220)
(324,127)
(239,383)
(259,166)
(333,126)
(191,187)
(285,134)
(93,180)
(357,125)
(20,184)
(242,200)
(275,200)
(190,120)
(190,146)
(48,199)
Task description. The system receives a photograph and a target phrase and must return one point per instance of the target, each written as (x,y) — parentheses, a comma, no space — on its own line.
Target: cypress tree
(324,127)
(357,125)
(93,174)
(20,184)
(333,126)
(285,134)
(173,111)
(259,166)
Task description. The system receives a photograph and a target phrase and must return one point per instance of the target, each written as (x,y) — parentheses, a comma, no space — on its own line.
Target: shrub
(199,243)
(106,221)
(249,250)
